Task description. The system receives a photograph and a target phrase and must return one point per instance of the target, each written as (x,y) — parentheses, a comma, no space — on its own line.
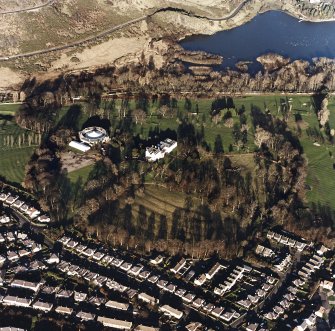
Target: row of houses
(289,292)
(258,294)
(17,245)
(208,276)
(287,240)
(142,274)
(314,263)
(23,207)
(232,279)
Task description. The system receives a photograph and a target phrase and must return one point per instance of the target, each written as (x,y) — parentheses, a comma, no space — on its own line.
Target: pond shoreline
(269,32)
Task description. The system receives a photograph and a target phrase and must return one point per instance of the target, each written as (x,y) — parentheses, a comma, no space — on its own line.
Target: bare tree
(139,115)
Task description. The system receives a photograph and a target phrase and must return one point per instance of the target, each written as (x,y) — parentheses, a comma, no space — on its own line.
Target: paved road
(22,219)
(49,3)
(232,14)
(113,29)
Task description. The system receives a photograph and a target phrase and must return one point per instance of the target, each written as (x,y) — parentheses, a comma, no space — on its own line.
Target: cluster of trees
(50,186)
(24,139)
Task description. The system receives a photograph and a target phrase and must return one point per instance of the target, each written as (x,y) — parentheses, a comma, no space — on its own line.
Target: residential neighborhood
(285,281)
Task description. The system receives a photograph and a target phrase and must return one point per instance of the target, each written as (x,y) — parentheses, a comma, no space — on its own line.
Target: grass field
(320,165)
(8,109)
(13,162)
(13,157)
(83,173)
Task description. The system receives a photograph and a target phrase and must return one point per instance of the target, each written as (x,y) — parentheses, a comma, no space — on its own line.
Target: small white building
(178,266)
(33,213)
(200,280)
(64,310)
(117,305)
(16,301)
(84,316)
(44,219)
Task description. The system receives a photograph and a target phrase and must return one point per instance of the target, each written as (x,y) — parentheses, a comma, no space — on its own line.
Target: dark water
(269,32)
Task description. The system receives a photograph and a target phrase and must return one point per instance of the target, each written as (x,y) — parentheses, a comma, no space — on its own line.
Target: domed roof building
(93,135)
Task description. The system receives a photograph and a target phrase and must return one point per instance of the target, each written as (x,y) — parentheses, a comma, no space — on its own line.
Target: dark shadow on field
(71,119)
(259,118)
(155,136)
(318,98)
(98,121)
(4,119)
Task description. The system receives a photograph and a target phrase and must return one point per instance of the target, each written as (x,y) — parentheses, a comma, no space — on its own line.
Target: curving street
(110,30)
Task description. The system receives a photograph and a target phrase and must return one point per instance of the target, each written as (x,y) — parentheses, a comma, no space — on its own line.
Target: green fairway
(321,171)
(320,174)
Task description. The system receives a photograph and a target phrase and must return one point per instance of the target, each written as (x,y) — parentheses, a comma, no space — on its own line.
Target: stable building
(79,146)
